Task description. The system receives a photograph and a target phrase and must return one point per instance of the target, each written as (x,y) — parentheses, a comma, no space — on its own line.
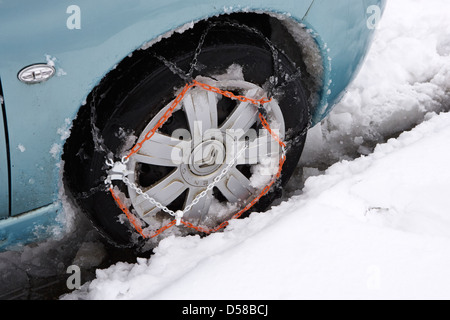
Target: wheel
(214,148)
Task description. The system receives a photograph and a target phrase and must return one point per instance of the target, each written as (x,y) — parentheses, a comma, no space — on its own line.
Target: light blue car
(167,117)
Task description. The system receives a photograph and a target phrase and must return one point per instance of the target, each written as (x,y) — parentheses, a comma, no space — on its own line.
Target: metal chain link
(278,81)
(87,194)
(99,144)
(147,197)
(198,51)
(188,77)
(174,68)
(216,180)
(180,213)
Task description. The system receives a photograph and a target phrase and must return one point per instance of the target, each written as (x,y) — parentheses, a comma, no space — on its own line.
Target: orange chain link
(131,217)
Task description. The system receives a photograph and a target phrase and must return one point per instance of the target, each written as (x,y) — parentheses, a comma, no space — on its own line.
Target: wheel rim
(192,157)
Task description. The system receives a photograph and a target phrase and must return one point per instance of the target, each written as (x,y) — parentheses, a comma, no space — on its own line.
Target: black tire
(135,92)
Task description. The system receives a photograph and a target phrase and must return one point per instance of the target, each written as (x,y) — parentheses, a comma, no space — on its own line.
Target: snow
(375,225)
(180,30)
(52,62)
(56,150)
(21,148)
(366,217)
(386,212)
(405,76)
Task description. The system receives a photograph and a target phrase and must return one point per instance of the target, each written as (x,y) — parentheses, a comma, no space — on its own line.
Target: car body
(83,42)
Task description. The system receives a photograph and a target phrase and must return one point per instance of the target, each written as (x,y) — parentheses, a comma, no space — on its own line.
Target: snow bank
(376,227)
(406,75)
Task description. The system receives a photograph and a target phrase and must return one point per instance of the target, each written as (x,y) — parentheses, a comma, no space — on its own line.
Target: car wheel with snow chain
(216,153)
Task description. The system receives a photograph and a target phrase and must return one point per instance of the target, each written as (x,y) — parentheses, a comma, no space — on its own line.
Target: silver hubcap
(196,156)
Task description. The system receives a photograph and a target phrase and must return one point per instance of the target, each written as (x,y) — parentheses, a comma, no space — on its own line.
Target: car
(164,118)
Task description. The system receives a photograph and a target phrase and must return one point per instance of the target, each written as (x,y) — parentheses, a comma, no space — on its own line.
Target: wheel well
(281,31)
(83,145)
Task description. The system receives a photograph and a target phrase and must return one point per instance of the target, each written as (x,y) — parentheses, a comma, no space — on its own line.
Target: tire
(128,102)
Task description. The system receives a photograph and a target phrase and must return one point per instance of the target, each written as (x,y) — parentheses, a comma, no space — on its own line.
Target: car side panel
(34,226)
(36,32)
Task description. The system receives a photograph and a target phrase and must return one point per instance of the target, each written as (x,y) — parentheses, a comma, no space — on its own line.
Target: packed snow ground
(375,227)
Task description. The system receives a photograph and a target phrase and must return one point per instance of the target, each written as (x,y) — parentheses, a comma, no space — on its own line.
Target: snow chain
(119,172)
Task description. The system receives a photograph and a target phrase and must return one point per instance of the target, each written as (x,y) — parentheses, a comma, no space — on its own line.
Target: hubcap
(193,158)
